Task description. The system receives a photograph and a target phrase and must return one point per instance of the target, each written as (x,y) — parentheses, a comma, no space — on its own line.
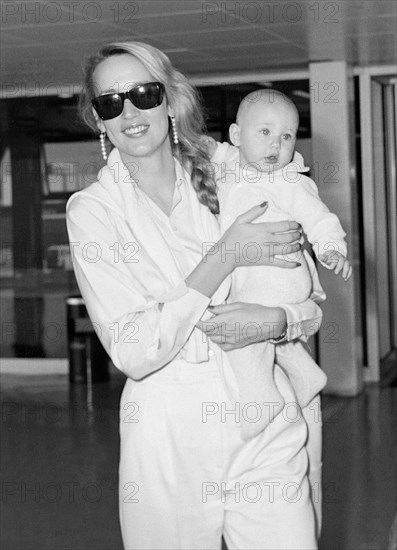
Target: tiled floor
(60,457)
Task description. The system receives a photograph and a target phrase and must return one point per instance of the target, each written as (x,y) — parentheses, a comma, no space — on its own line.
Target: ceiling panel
(46,40)
(365,25)
(53,35)
(368,8)
(233,64)
(251,51)
(198,38)
(385,47)
(172,23)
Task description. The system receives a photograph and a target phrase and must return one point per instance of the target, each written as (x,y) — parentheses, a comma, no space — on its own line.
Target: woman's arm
(141,335)
(240,324)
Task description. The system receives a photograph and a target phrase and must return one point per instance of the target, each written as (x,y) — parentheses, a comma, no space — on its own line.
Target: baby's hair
(266,95)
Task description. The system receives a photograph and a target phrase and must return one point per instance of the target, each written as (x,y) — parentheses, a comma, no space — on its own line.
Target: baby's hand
(210,143)
(335,261)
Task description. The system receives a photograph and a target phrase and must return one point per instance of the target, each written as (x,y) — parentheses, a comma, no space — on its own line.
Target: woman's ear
(99,123)
(234,134)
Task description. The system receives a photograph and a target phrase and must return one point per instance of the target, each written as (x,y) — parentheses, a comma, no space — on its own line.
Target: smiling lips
(137,130)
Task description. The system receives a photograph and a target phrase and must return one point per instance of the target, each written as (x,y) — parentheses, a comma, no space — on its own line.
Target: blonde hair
(184,100)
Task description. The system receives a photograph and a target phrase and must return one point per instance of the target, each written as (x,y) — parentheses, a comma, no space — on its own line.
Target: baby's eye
(287,136)
(265,131)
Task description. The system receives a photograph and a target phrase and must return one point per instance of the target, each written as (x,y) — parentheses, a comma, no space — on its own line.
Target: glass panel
(70,166)
(39,132)
(33,293)
(382,246)
(221,103)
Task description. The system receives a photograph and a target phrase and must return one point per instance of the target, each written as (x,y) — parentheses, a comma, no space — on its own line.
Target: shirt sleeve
(140,335)
(322,227)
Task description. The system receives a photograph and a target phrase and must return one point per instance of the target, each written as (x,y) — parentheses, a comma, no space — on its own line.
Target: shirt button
(210,353)
(227,218)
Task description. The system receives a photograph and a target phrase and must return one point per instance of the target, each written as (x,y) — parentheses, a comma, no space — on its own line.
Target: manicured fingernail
(263,204)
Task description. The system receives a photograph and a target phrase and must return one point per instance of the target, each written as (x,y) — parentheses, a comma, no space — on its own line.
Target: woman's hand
(245,244)
(265,243)
(240,324)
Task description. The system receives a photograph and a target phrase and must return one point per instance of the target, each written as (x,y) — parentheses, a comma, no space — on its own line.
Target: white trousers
(312,415)
(187,478)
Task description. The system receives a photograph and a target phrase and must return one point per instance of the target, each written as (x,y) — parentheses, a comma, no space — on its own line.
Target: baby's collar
(296,166)
(298,163)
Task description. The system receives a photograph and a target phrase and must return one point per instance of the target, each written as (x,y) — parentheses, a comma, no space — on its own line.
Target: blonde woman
(157,263)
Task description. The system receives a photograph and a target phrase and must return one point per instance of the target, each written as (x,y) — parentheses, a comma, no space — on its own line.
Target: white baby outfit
(290,196)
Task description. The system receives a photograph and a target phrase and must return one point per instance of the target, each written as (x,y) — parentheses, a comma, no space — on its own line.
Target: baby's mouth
(271,159)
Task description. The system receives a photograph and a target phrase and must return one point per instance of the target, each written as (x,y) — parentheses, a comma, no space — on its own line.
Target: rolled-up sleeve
(140,335)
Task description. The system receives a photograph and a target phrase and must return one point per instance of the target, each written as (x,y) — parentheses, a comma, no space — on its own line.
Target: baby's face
(266,134)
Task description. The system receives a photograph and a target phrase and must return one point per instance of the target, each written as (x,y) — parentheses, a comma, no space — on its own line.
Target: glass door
(378,152)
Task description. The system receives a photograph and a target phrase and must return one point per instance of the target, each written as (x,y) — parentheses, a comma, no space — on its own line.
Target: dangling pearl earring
(175,137)
(103,146)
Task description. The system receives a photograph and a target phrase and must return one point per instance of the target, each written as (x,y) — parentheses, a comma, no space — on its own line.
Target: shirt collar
(181,174)
(121,172)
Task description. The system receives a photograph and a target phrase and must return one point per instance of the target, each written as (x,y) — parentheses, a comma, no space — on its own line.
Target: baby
(265,167)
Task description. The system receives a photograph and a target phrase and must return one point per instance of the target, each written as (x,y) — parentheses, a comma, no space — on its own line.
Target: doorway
(378,99)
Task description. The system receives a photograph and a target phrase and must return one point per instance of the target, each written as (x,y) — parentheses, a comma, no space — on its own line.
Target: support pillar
(25,143)
(333,147)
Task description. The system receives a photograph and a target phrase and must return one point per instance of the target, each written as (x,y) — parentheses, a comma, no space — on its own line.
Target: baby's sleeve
(225,153)
(322,227)
(304,318)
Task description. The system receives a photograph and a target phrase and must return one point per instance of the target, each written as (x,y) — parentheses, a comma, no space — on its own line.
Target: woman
(149,260)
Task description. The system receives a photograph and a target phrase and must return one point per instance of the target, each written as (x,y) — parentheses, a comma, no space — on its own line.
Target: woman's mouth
(136,131)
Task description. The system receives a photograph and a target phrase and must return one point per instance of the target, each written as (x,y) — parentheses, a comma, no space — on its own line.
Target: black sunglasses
(143,96)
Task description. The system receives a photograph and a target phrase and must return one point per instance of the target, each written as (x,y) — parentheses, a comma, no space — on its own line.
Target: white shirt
(129,258)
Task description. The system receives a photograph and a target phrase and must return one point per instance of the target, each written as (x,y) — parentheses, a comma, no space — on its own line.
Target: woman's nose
(129,109)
